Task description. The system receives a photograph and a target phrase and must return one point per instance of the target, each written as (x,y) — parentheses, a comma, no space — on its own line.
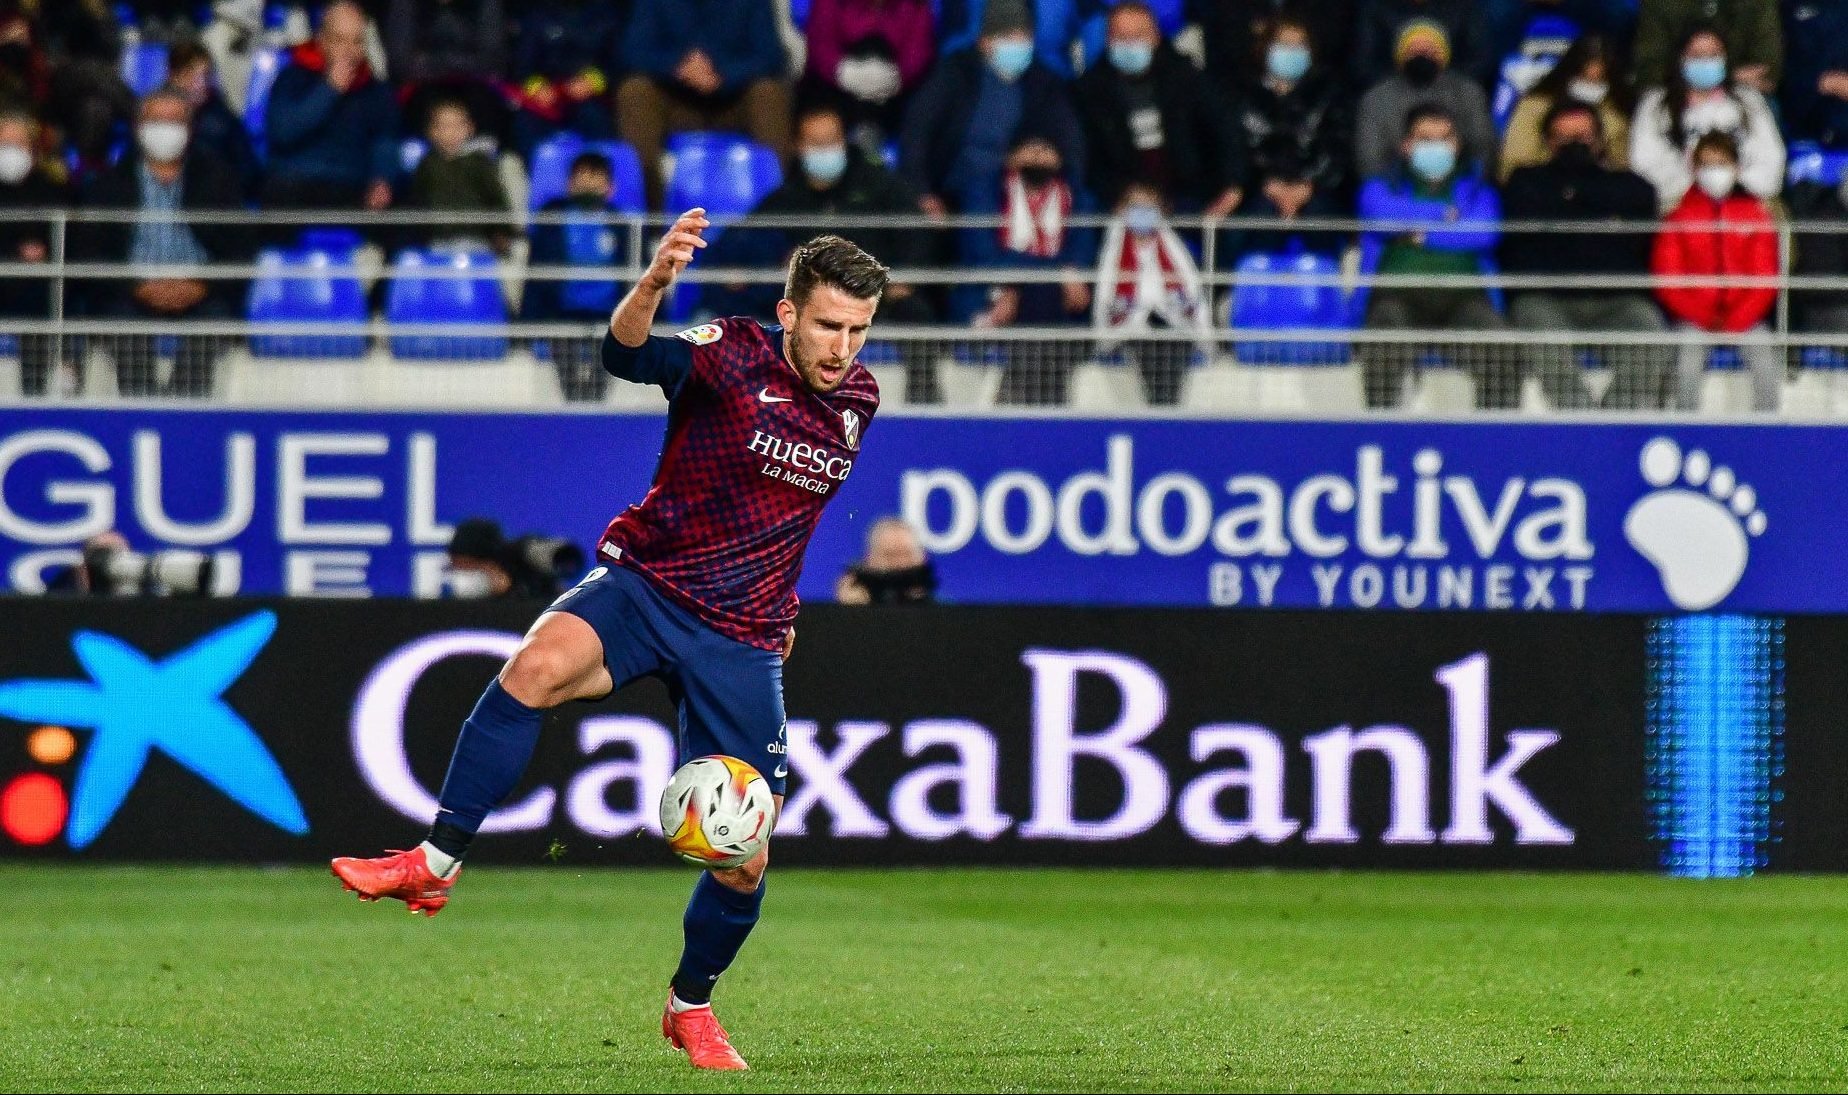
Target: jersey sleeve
(664,361)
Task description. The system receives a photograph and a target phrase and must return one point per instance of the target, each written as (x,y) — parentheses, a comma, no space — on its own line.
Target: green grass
(552,980)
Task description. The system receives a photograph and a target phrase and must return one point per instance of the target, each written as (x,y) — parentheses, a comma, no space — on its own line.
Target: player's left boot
(698,1032)
(404,875)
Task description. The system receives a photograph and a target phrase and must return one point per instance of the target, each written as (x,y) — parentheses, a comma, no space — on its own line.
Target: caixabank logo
(131,706)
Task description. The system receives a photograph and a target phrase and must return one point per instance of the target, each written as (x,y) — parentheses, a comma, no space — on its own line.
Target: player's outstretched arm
(634,316)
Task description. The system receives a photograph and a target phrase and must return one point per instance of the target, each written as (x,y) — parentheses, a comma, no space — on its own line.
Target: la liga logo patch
(703,335)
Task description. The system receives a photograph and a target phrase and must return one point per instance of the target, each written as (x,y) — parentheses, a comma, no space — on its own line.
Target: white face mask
(15,164)
(162,142)
(1588,91)
(469,585)
(1717,181)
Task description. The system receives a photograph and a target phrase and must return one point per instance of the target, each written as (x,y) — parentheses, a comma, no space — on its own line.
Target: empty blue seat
(551,171)
(144,67)
(723,172)
(329,296)
(1309,307)
(264,68)
(337,242)
(415,297)
(1825,357)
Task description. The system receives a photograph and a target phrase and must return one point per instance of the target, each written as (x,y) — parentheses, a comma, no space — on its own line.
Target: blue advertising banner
(1648,517)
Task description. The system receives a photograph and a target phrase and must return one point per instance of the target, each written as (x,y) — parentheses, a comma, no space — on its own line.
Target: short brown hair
(1718,141)
(186,53)
(831,260)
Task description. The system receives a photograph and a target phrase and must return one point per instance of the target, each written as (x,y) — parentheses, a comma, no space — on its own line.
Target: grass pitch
(552,980)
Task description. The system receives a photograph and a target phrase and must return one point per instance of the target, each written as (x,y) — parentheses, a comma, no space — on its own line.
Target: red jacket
(1746,246)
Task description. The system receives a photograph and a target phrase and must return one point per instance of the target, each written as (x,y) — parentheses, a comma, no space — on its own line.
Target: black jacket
(940,112)
(27,297)
(1204,153)
(218,131)
(205,184)
(1304,136)
(1549,192)
(1231,31)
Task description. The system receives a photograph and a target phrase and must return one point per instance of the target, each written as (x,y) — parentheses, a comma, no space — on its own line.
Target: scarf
(1144,275)
(1033,221)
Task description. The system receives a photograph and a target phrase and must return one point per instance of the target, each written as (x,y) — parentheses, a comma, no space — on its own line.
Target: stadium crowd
(1438,119)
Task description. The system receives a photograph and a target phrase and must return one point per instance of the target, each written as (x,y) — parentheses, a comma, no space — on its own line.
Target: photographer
(111,568)
(895,570)
(484,563)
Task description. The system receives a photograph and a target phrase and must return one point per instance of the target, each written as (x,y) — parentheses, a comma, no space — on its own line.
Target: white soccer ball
(717,812)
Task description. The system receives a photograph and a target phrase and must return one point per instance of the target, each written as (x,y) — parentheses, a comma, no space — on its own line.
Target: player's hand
(676,250)
(789,641)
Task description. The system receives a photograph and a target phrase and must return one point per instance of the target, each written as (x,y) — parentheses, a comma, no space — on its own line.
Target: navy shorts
(729,693)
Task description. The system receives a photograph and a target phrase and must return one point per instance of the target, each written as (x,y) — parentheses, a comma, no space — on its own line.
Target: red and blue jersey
(752,456)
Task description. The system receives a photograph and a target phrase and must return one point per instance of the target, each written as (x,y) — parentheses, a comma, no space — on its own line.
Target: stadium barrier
(1699,745)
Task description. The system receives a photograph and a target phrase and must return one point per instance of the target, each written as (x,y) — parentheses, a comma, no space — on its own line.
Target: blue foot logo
(135,705)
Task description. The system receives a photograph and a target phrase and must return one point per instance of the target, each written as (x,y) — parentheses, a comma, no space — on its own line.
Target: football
(717,812)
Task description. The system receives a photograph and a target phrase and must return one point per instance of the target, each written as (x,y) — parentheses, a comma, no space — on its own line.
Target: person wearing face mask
(1147,282)
(483,563)
(1589,73)
(214,128)
(1299,137)
(577,230)
(1701,97)
(896,571)
(968,115)
(1424,77)
(1432,185)
(833,183)
(1577,185)
(1150,115)
(1383,23)
(1236,36)
(869,55)
(24,185)
(1749,31)
(1720,230)
(163,179)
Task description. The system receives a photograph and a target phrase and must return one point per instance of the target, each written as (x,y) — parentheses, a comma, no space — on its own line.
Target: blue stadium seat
(144,67)
(1546,41)
(332,298)
(1832,358)
(411,152)
(415,298)
(551,171)
(338,242)
(1322,306)
(263,70)
(724,172)
(1810,162)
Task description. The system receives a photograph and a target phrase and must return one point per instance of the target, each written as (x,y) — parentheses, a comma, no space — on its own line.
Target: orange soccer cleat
(404,875)
(698,1032)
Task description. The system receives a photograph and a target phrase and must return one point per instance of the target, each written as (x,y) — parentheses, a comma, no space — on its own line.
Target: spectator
(1816,78)
(214,128)
(1701,98)
(1509,20)
(1424,78)
(1147,282)
(895,571)
(868,56)
(25,185)
(449,51)
(25,70)
(584,237)
(1237,35)
(566,55)
(1748,30)
(1819,254)
(1578,184)
(1035,199)
(162,178)
(1298,134)
(973,109)
(458,175)
(701,64)
(332,125)
(1431,185)
(88,99)
(1720,229)
(1149,116)
(1589,73)
(1380,49)
(833,181)
(484,563)
(1053,27)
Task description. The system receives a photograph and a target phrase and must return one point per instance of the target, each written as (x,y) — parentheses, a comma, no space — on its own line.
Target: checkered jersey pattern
(752,456)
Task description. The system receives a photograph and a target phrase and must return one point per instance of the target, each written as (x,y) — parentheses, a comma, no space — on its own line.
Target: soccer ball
(717,812)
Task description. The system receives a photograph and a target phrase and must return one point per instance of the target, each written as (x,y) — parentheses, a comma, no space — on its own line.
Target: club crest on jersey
(851,420)
(703,335)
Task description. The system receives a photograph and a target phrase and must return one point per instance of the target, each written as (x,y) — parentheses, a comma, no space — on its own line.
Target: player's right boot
(697,1031)
(403,875)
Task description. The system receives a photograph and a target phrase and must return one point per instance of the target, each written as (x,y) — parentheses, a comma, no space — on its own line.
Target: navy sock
(496,744)
(718,920)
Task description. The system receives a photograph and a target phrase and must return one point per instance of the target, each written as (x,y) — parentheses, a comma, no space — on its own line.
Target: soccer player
(696,584)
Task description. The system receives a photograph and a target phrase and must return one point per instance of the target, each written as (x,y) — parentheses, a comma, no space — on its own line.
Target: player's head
(827,308)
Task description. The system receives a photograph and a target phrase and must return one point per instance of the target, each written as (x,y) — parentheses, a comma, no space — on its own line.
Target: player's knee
(748,876)
(541,675)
